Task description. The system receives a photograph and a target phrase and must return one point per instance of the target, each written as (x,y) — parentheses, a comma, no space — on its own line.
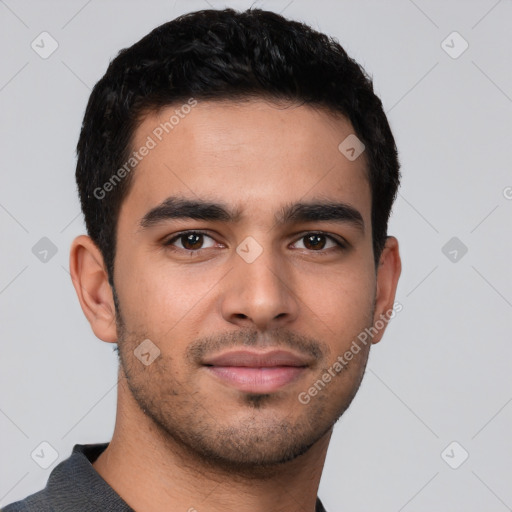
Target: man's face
(256,283)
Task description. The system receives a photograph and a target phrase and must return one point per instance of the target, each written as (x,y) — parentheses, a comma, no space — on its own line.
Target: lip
(255,359)
(257,372)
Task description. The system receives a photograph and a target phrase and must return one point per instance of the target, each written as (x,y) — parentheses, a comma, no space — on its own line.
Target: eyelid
(176,236)
(340,242)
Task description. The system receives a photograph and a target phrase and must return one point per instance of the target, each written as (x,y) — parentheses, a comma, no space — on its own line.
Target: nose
(260,294)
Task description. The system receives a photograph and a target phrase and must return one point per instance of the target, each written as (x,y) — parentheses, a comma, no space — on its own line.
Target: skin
(184,440)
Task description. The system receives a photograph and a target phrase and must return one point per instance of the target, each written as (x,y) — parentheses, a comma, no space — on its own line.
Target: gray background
(442,372)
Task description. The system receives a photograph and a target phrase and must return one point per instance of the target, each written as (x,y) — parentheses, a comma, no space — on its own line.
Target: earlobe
(90,279)
(388,273)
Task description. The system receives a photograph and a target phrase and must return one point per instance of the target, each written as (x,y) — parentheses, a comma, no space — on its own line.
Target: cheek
(160,298)
(342,303)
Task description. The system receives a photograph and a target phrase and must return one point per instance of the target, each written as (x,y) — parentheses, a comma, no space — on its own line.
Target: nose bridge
(260,288)
(260,270)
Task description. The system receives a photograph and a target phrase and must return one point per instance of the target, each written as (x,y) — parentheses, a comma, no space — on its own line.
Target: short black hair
(224,55)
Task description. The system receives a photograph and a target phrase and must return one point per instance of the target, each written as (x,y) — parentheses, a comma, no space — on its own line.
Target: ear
(90,279)
(388,272)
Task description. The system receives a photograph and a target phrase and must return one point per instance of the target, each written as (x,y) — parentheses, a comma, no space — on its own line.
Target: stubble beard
(257,443)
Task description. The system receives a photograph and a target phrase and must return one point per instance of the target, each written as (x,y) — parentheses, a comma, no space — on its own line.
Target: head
(232,125)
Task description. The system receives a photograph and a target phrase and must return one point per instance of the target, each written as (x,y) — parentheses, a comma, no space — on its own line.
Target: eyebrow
(176,207)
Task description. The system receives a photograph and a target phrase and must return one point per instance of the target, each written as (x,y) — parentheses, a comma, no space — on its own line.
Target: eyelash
(339,244)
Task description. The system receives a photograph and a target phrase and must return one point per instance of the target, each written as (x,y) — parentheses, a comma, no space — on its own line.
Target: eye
(317,242)
(190,241)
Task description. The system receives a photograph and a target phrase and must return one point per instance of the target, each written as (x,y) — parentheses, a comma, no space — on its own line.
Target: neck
(152,472)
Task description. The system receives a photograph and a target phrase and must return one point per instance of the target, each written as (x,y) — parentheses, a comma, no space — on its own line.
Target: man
(236,173)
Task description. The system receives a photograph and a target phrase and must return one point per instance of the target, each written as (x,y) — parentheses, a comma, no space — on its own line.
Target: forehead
(252,154)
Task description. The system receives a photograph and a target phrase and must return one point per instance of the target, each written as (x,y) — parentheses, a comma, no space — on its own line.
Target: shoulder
(70,484)
(36,502)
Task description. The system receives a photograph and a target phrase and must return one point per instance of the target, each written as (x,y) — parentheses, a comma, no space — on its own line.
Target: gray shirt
(75,486)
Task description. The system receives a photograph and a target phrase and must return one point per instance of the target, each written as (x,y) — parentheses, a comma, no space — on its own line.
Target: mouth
(257,372)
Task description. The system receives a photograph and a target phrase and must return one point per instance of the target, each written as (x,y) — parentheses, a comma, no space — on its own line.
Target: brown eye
(190,241)
(318,241)
(314,241)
